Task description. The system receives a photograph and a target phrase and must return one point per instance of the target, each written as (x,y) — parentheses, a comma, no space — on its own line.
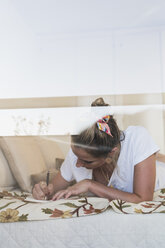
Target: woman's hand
(78,188)
(41,191)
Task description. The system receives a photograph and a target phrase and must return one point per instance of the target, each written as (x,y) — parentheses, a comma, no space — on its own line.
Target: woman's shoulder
(139,136)
(72,155)
(70,158)
(135,131)
(134,128)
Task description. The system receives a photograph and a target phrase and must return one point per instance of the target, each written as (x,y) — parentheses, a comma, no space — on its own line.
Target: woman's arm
(59,183)
(41,190)
(143,186)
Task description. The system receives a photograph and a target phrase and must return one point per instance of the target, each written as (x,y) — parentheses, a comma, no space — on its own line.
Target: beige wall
(51,102)
(152,119)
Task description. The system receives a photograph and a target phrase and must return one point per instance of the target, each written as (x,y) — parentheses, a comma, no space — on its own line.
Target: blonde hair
(95,141)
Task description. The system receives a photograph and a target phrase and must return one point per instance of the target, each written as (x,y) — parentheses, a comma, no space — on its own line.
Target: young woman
(108,163)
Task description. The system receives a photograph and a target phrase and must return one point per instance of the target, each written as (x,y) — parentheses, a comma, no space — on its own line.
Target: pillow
(24,158)
(7,181)
(36,178)
(53,147)
(58,163)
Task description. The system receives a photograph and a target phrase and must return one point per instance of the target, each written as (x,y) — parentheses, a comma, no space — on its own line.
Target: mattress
(108,229)
(102,228)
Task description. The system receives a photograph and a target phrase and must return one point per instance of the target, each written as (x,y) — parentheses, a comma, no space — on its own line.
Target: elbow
(139,199)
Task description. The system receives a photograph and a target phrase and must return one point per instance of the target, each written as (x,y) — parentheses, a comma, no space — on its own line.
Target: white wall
(139,61)
(62,48)
(51,48)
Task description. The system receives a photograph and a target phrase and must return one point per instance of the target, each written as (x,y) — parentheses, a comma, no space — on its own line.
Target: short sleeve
(66,167)
(143,145)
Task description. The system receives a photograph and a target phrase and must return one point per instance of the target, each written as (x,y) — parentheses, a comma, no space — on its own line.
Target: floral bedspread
(20,206)
(147,207)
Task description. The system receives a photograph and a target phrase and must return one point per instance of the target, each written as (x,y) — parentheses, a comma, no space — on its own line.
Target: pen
(47,178)
(47,183)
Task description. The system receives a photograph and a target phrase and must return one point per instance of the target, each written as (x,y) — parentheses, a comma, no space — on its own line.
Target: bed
(53,224)
(106,225)
(108,229)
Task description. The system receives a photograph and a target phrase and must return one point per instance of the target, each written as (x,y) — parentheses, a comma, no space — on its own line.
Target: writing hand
(78,188)
(40,190)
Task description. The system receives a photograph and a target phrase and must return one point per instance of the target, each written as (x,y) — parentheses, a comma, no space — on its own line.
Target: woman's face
(84,159)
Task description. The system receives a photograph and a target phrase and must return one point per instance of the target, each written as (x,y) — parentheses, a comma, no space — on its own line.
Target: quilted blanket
(21,206)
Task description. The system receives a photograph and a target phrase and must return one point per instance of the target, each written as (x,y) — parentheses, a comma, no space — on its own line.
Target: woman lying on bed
(107,163)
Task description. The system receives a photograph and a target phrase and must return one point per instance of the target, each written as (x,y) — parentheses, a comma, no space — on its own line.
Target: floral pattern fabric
(147,207)
(20,206)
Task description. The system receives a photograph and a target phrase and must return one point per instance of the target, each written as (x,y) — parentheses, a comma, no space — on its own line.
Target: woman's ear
(114,150)
(113,155)
(110,155)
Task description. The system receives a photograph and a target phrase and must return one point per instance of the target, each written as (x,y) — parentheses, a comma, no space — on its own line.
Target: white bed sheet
(107,230)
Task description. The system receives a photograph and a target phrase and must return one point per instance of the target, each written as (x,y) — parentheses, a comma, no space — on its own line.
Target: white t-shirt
(136,146)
